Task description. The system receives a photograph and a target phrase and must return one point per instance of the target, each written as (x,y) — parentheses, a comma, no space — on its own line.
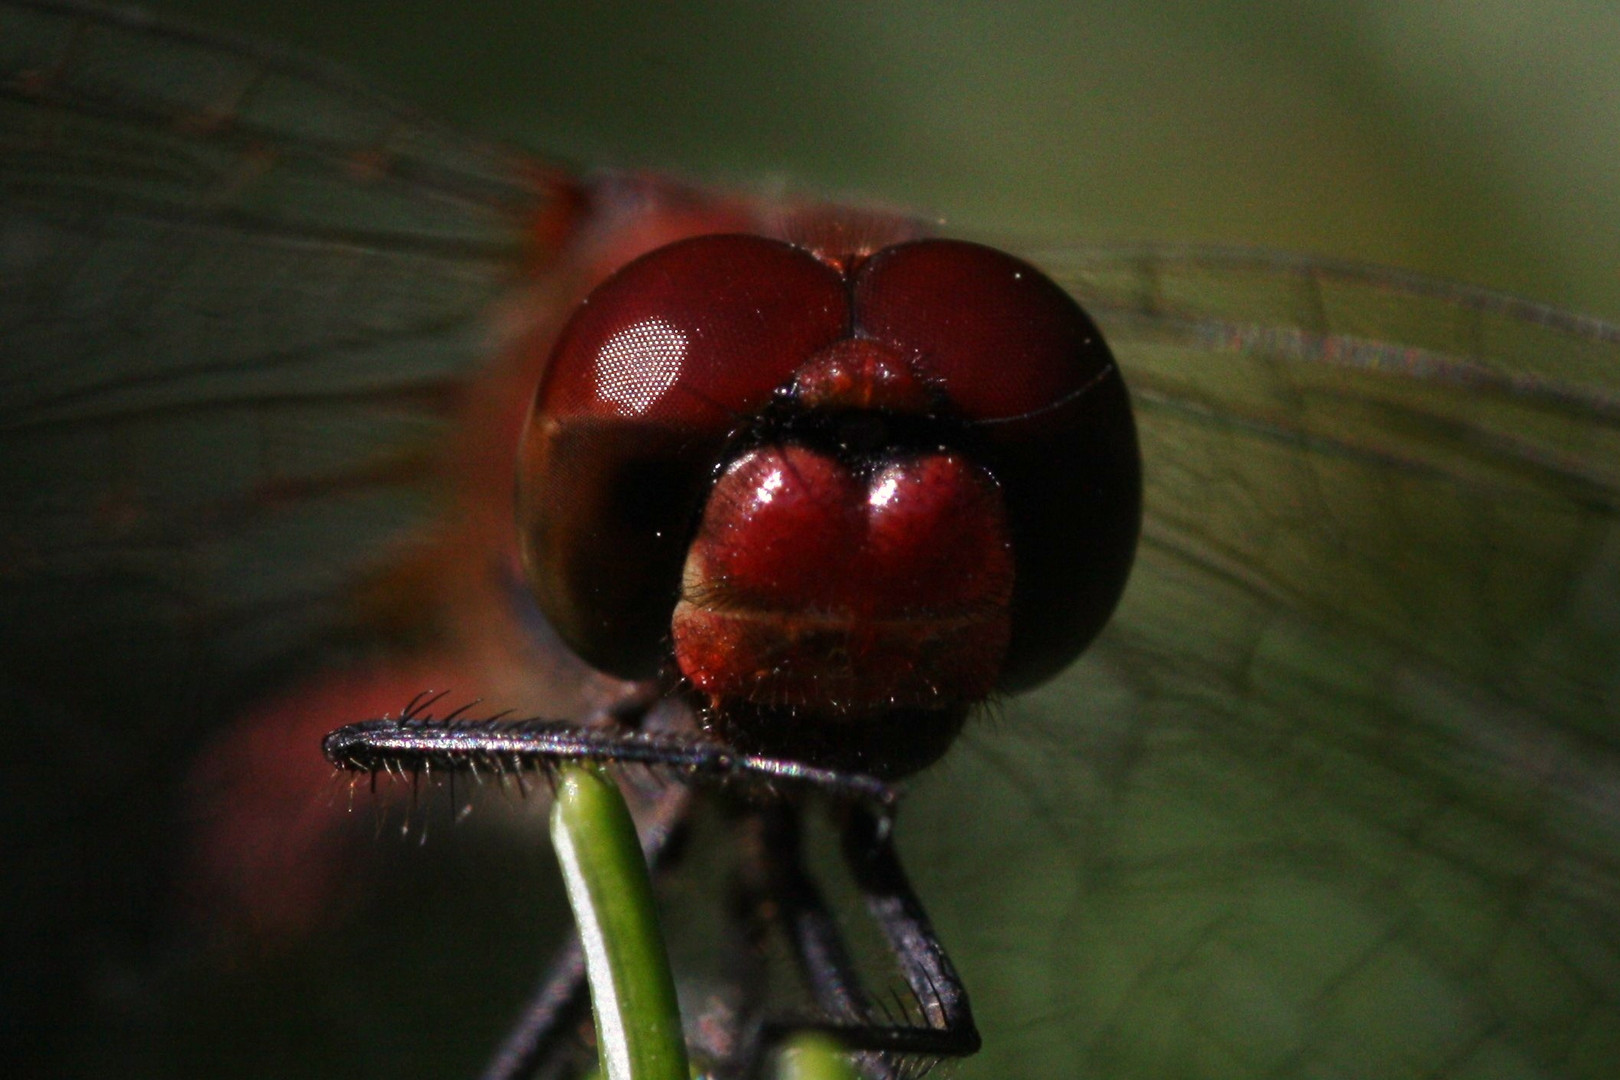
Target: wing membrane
(241,294)
(1435,465)
(1339,790)
(243,301)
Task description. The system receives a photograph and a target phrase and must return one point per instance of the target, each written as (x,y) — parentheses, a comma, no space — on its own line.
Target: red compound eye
(996,333)
(694,334)
(644,385)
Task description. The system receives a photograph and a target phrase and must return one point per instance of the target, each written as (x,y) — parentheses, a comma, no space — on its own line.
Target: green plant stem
(638,1022)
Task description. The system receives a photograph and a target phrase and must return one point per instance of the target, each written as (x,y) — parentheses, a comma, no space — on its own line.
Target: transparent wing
(1338,793)
(238,298)
(241,301)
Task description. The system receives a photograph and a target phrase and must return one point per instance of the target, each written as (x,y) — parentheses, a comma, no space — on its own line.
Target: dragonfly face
(1333,794)
(898,478)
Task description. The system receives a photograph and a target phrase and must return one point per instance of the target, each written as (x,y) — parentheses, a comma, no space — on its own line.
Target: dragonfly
(1333,793)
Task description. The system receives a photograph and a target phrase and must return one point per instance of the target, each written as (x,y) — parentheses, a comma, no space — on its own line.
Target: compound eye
(1030,374)
(645,382)
(694,334)
(1000,337)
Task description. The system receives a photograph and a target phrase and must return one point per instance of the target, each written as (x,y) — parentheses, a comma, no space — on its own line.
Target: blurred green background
(1473,140)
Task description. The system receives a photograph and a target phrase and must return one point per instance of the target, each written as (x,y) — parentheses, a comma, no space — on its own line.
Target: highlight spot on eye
(637,365)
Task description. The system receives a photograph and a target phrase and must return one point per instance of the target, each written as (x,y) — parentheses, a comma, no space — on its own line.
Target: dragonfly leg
(812,931)
(948,1029)
(421,743)
(418,743)
(818,945)
(893,904)
(782,884)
